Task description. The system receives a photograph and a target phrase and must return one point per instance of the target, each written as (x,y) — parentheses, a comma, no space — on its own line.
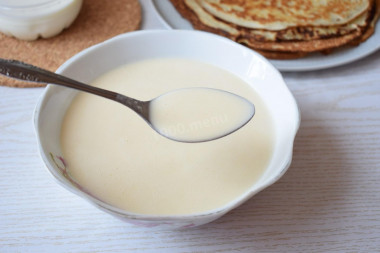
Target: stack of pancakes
(285,29)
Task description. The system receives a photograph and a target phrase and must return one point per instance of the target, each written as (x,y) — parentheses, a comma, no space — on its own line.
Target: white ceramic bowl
(135,46)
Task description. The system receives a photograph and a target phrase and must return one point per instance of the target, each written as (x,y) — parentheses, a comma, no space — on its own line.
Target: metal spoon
(27,72)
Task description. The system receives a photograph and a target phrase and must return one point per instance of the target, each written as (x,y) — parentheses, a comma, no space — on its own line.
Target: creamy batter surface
(117,157)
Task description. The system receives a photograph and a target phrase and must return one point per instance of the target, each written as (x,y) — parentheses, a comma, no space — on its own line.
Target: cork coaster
(97,21)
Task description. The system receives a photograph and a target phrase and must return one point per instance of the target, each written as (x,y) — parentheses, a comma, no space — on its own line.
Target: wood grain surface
(328,201)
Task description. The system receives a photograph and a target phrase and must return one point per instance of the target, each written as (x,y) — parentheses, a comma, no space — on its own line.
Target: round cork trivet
(97,21)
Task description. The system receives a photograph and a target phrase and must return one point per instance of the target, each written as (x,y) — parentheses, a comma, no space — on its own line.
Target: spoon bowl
(205,114)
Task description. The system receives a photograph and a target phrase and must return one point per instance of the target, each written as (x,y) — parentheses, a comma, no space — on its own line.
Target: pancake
(294,33)
(281,55)
(370,29)
(323,44)
(282,14)
(292,41)
(307,46)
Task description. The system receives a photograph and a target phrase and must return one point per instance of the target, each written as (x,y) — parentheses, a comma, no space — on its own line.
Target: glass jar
(31,19)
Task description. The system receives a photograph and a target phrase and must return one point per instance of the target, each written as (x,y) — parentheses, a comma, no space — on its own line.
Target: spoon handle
(23,71)
(30,73)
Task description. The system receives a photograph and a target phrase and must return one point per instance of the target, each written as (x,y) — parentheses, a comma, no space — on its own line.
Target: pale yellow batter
(115,155)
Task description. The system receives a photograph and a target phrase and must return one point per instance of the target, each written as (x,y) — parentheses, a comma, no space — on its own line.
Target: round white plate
(313,62)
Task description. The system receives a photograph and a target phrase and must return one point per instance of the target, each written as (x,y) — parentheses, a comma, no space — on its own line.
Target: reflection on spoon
(184,115)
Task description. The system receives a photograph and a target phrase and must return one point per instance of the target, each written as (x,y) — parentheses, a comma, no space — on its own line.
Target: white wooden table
(328,201)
